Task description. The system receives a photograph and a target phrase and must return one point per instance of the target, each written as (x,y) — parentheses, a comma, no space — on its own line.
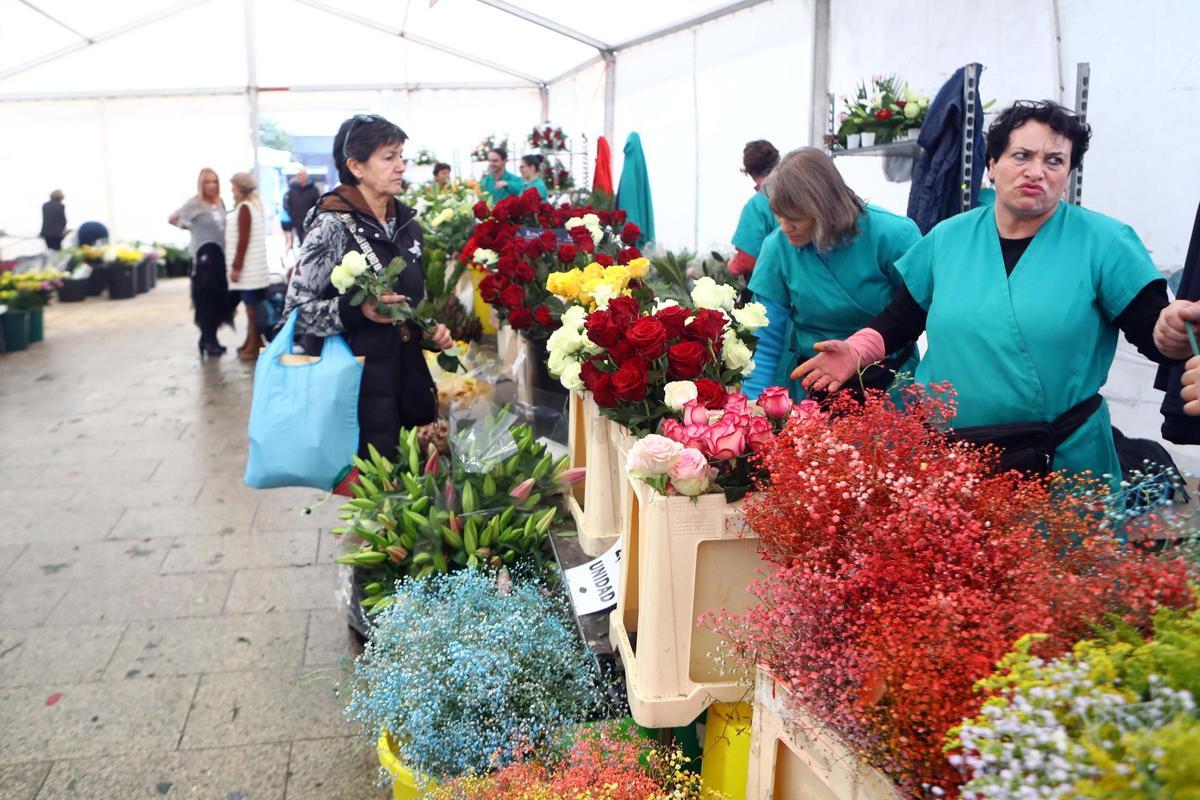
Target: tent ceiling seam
(55,20)
(548,24)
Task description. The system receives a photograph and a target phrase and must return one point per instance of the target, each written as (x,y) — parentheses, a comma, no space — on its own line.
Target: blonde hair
(200,184)
(806,184)
(245,187)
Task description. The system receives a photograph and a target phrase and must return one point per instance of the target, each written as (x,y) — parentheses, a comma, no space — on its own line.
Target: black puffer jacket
(397,390)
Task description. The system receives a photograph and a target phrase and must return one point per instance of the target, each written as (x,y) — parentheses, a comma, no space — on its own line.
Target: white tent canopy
(119,105)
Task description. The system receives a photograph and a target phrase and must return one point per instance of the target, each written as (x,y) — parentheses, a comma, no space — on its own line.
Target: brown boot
(249,350)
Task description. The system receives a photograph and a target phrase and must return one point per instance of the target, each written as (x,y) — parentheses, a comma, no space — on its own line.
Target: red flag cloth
(603,175)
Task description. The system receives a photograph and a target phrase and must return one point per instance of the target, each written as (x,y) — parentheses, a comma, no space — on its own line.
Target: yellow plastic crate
(405,783)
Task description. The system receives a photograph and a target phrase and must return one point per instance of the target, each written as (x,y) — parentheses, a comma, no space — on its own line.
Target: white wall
(696,98)
(1143,62)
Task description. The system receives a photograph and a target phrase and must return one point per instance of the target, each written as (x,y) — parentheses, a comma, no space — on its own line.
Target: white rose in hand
(341,278)
(354,263)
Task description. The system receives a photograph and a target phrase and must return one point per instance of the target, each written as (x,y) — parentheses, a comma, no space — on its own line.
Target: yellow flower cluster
(129,255)
(585,285)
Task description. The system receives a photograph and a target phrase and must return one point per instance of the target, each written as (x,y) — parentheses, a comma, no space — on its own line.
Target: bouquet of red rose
(547,137)
(520,241)
(640,355)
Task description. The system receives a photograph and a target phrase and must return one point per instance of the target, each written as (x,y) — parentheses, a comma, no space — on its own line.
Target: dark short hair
(534,160)
(1061,120)
(358,138)
(441,165)
(759,158)
(500,151)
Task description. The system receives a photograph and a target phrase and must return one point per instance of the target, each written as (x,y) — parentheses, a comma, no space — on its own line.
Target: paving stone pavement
(165,632)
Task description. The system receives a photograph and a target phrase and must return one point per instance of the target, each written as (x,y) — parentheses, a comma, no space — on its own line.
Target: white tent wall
(695,98)
(127,162)
(1136,169)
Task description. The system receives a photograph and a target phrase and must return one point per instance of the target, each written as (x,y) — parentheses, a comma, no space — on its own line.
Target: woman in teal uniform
(531,166)
(498,181)
(756,221)
(1022,301)
(830,267)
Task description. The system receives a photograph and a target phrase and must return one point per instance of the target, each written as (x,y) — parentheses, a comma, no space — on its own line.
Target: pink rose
(737,403)
(653,455)
(776,402)
(694,413)
(696,437)
(761,431)
(672,429)
(725,441)
(690,475)
(807,411)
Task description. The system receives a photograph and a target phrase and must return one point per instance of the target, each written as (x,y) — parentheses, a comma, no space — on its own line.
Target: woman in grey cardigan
(204,217)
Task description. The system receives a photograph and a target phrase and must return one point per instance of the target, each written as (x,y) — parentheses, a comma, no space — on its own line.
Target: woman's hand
(371,306)
(441,338)
(835,363)
(1170,332)
(1191,387)
(173,219)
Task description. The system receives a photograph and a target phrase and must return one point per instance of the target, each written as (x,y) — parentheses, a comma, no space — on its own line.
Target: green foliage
(270,134)
(672,275)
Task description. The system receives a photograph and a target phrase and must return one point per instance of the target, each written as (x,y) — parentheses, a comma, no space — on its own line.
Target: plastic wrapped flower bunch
(468,671)
(1116,718)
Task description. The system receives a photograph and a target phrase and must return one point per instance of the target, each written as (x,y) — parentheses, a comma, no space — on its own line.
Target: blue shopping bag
(303,418)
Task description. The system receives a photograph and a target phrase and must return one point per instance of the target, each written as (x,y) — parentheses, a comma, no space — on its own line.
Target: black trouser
(212,303)
(53,242)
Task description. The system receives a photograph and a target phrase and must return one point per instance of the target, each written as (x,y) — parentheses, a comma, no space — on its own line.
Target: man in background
(298,200)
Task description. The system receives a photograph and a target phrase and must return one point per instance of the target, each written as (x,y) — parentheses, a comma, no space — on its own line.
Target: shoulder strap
(363,245)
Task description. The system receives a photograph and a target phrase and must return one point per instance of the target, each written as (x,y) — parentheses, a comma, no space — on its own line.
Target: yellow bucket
(482,309)
(405,783)
(726,764)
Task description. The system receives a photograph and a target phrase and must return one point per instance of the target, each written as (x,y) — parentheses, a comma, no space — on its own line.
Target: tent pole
(610,94)
(543,22)
(820,73)
(544,95)
(252,81)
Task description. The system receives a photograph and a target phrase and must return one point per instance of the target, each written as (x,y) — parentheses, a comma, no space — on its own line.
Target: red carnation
(580,233)
(530,201)
(490,287)
(603,329)
(506,267)
(708,324)
(648,337)
(627,254)
(686,360)
(630,381)
(548,242)
(566,254)
(481,210)
(586,244)
(512,297)
(673,319)
(604,260)
(603,391)
(525,271)
(710,394)
(520,318)
(624,309)
(541,316)
(617,217)
(630,233)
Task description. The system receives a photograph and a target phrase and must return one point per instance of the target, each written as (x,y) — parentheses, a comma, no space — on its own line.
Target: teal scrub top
(539,184)
(831,295)
(1027,347)
(754,225)
(514,188)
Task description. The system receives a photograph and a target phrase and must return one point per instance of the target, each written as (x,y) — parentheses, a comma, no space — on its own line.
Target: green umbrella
(633,192)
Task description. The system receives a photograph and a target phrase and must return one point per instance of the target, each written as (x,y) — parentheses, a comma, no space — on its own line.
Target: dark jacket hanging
(936,177)
(1178,427)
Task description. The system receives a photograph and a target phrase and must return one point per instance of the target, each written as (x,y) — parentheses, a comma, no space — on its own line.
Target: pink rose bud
(776,402)
(725,441)
(694,413)
(523,489)
(672,429)
(572,476)
(761,431)
(690,475)
(737,403)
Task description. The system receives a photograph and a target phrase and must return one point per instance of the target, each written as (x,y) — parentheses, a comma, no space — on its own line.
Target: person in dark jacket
(54,221)
(1178,409)
(298,200)
(92,232)
(936,177)
(361,214)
